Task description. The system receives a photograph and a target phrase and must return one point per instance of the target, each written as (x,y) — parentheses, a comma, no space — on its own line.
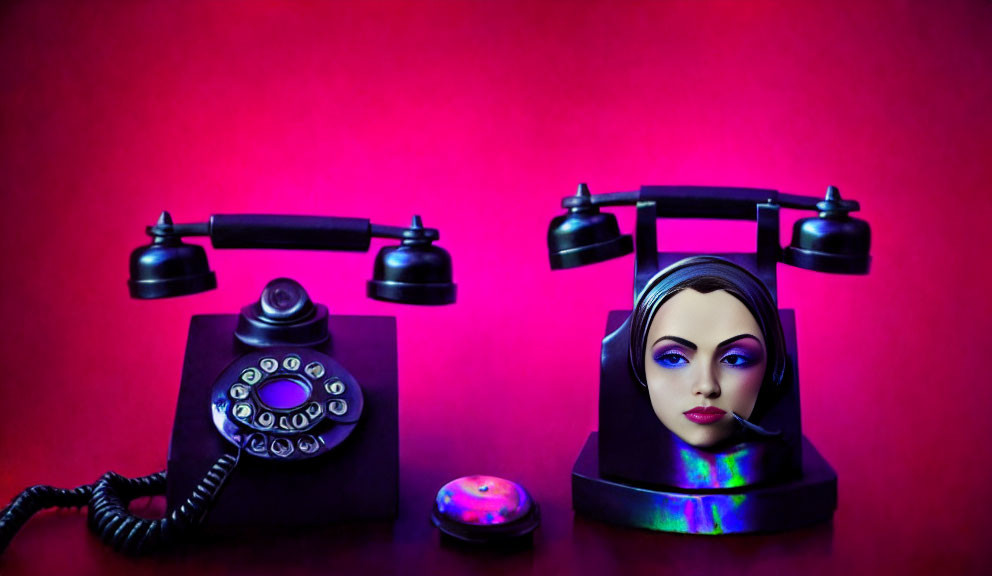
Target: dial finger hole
(269,364)
(314,369)
(291,363)
(242,410)
(265,420)
(257,443)
(281,447)
(307,444)
(300,421)
(251,376)
(334,386)
(314,410)
(337,407)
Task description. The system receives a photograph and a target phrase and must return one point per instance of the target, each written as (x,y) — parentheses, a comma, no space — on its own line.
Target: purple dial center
(283,394)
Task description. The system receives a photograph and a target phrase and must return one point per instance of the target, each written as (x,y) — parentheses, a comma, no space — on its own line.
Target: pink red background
(480,116)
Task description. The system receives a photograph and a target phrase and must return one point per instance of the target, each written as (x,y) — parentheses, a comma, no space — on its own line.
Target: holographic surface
(801,501)
(736,467)
(483,501)
(695,514)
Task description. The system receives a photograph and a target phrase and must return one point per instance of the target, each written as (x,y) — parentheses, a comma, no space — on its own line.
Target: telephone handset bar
(705,201)
(292,231)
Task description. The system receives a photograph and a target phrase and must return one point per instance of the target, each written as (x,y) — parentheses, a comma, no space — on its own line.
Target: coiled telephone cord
(108,516)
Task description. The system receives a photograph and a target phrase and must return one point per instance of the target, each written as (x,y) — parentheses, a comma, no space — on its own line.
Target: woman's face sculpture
(705,359)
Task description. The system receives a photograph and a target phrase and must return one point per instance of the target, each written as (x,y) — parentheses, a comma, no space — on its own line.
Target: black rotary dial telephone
(283,406)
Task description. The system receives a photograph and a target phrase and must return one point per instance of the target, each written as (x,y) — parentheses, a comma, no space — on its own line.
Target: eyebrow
(681,341)
(692,345)
(736,338)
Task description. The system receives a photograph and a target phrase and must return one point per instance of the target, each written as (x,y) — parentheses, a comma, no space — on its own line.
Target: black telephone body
(634,471)
(317,421)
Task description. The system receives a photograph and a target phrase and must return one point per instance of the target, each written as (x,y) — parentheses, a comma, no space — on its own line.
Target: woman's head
(705,339)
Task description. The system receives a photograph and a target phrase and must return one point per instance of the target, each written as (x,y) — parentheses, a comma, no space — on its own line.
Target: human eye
(670,359)
(738,359)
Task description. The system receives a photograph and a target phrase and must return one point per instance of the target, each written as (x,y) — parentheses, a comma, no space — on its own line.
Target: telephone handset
(282,405)
(763,476)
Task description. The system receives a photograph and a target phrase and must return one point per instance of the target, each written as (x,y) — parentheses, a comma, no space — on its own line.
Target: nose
(706,384)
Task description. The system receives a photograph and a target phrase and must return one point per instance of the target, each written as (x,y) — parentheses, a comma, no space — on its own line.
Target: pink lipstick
(705,414)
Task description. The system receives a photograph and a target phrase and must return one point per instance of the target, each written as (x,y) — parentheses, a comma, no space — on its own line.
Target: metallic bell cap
(168,267)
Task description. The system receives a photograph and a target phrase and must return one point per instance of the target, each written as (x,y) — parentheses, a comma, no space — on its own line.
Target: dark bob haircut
(707,274)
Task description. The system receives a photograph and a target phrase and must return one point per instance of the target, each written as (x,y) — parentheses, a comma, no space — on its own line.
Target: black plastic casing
(358,480)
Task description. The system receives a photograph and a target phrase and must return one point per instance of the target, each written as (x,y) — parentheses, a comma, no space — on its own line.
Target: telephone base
(810,499)
(356,481)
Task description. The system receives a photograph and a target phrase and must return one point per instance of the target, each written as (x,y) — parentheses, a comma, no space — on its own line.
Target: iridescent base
(770,508)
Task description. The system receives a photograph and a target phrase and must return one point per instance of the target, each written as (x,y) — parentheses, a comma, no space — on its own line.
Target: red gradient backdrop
(480,116)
